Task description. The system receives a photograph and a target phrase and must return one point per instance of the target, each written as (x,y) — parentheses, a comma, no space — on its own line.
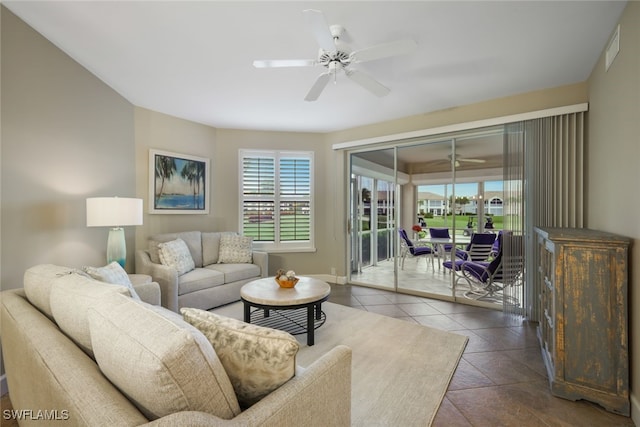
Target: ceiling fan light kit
(336,55)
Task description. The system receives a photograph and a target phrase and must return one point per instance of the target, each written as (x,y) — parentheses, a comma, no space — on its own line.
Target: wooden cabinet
(583,309)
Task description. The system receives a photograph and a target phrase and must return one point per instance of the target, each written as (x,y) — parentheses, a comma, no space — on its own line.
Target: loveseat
(215,280)
(81,352)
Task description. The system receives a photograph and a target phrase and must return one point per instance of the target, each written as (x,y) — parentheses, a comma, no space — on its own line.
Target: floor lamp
(114,212)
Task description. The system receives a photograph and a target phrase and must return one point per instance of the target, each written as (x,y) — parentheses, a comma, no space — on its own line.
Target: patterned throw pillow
(176,254)
(235,249)
(258,360)
(159,361)
(114,274)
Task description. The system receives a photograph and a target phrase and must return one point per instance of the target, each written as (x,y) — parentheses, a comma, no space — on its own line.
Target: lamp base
(116,247)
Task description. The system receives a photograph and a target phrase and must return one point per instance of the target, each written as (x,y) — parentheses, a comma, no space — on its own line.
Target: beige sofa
(210,284)
(70,340)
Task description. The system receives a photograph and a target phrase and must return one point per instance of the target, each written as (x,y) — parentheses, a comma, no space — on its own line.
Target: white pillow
(176,254)
(160,362)
(258,360)
(72,295)
(114,274)
(38,281)
(235,249)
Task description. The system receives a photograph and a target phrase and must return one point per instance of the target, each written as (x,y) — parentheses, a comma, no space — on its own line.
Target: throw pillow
(176,254)
(38,281)
(258,360)
(235,249)
(114,274)
(72,295)
(159,361)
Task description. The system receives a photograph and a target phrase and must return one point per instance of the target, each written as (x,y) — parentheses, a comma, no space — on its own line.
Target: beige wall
(327,218)
(613,156)
(522,103)
(65,136)
(159,131)
(155,130)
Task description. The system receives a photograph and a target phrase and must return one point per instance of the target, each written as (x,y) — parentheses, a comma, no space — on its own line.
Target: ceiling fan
(335,55)
(459,159)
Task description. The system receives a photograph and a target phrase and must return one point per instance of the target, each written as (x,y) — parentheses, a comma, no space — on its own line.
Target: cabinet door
(593,329)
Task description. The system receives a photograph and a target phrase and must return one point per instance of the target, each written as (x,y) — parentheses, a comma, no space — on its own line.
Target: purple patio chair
(478,249)
(488,278)
(441,233)
(408,248)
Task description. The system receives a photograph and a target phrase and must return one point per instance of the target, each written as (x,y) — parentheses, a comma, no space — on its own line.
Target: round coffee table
(267,295)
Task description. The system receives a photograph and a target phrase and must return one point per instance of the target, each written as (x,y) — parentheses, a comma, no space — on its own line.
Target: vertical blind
(514,296)
(555,183)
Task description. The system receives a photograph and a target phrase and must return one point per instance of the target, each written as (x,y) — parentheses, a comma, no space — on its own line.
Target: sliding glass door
(373,217)
(399,193)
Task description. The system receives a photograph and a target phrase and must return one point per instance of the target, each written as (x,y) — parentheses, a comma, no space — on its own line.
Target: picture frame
(178,183)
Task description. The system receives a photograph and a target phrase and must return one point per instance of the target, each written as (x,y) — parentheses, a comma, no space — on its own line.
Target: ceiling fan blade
(400,47)
(318,86)
(277,63)
(320,29)
(472,160)
(367,82)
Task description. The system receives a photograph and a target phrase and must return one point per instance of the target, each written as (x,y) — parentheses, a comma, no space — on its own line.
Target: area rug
(400,370)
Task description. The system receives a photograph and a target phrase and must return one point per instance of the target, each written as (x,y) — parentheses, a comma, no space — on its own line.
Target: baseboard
(4,388)
(635,409)
(340,280)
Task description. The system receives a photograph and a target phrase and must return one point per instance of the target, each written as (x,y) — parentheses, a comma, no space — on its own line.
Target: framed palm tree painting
(178,183)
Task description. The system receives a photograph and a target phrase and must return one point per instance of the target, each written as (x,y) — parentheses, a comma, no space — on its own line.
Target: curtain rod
(460,127)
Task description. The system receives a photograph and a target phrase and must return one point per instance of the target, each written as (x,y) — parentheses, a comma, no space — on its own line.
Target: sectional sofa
(82,352)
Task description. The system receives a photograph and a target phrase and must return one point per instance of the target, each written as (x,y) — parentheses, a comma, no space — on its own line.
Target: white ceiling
(194,59)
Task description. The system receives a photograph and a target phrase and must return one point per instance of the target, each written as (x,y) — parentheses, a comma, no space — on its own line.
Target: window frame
(276,245)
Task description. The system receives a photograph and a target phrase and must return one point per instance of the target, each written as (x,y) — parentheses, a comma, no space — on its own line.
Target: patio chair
(496,246)
(408,248)
(486,279)
(478,249)
(440,250)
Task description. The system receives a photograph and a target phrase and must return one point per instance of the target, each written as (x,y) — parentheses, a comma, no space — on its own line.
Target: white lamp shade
(113,211)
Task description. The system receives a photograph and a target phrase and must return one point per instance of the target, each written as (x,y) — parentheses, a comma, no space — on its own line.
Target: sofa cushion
(198,279)
(38,281)
(71,297)
(175,254)
(211,246)
(258,360)
(161,363)
(235,249)
(236,272)
(114,274)
(193,239)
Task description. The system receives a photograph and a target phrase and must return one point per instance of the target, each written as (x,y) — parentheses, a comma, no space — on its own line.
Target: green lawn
(461,222)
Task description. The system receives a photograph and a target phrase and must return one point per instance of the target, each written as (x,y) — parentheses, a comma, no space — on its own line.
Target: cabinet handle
(549,283)
(549,319)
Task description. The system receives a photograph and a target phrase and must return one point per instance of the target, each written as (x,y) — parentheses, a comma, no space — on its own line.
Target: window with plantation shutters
(276,199)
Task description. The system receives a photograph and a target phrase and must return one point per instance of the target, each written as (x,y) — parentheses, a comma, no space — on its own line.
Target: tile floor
(501,379)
